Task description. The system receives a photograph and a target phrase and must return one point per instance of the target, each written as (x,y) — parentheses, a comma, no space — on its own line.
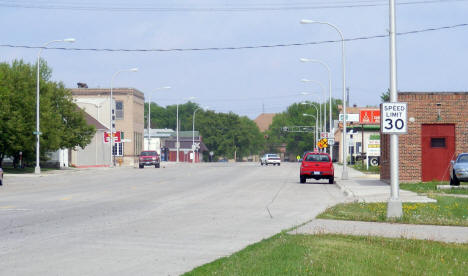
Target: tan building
(128,104)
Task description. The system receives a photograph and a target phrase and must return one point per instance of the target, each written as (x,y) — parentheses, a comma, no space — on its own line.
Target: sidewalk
(368,188)
(456,234)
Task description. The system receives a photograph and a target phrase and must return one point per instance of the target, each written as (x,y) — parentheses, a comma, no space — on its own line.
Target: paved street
(149,222)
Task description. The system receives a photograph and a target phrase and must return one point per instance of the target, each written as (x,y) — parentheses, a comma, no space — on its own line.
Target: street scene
(262,137)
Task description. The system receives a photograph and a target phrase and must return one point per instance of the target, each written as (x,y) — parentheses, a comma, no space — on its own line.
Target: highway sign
(394,118)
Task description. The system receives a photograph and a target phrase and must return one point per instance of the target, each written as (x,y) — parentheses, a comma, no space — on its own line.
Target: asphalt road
(127,221)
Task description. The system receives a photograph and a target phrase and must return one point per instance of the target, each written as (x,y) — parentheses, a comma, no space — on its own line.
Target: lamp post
(320,109)
(329,95)
(344,175)
(324,125)
(316,122)
(177,128)
(193,133)
(316,132)
(37,169)
(111,138)
(149,112)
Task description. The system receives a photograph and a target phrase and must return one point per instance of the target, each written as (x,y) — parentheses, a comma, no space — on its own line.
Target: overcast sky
(241,81)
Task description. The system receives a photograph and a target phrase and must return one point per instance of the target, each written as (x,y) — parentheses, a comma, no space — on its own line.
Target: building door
(438,148)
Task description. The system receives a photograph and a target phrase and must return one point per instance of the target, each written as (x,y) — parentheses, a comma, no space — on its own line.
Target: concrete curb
(345,190)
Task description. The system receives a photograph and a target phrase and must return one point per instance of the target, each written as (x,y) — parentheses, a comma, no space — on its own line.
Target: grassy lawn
(372,170)
(12,170)
(431,187)
(286,254)
(447,211)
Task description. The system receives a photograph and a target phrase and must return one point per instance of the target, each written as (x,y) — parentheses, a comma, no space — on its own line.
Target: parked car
(459,169)
(317,165)
(149,158)
(270,158)
(1,177)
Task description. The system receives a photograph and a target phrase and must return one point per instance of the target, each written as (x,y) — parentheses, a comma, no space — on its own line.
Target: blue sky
(241,81)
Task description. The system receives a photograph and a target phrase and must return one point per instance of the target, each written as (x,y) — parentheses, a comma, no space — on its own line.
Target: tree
(296,142)
(62,123)
(385,97)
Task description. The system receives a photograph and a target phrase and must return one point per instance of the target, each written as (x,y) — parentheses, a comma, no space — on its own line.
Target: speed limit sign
(393,118)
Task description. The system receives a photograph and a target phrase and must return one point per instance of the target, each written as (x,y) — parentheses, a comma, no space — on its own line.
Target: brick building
(437,133)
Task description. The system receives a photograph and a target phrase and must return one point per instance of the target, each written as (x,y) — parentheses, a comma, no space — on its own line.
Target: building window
(117,149)
(437,142)
(119,111)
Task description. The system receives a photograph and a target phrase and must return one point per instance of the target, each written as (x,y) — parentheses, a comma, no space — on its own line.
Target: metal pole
(344,175)
(330,95)
(111,108)
(177,134)
(193,135)
(149,120)
(37,169)
(394,207)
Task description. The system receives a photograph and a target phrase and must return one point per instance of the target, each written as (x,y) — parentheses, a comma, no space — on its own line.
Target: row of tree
(229,135)
(62,123)
(226,134)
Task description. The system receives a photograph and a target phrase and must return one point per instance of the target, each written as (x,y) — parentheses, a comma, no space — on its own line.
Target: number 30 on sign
(393,118)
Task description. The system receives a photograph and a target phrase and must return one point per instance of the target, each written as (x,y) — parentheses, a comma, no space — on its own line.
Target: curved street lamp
(329,95)
(37,169)
(324,125)
(344,174)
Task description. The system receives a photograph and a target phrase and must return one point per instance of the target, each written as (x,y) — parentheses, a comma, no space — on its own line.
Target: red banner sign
(369,116)
(115,134)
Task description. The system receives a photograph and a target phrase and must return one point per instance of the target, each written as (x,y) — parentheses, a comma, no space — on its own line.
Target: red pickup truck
(149,158)
(317,165)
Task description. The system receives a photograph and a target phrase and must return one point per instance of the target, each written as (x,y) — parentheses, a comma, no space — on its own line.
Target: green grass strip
(286,254)
(447,211)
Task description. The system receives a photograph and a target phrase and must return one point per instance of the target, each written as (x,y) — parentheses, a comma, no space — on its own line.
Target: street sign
(394,118)
(369,116)
(323,143)
(350,117)
(117,137)
(331,141)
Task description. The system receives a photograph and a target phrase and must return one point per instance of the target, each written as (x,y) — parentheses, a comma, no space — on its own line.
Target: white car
(270,158)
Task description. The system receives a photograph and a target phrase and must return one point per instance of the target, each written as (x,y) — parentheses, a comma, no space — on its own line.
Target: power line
(230,8)
(233,47)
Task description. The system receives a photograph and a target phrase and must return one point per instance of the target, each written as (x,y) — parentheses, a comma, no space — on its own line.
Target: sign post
(393,125)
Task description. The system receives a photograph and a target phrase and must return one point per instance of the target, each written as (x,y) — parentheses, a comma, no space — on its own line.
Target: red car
(149,158)
(317,165)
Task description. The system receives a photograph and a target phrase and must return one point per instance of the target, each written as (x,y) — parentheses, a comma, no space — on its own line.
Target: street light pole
(394,206)
(177,128)
(344,175)
(324,125)
(37,169)
(111,138)
(330,120)
(320,109)
(316,127)
(149,113)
